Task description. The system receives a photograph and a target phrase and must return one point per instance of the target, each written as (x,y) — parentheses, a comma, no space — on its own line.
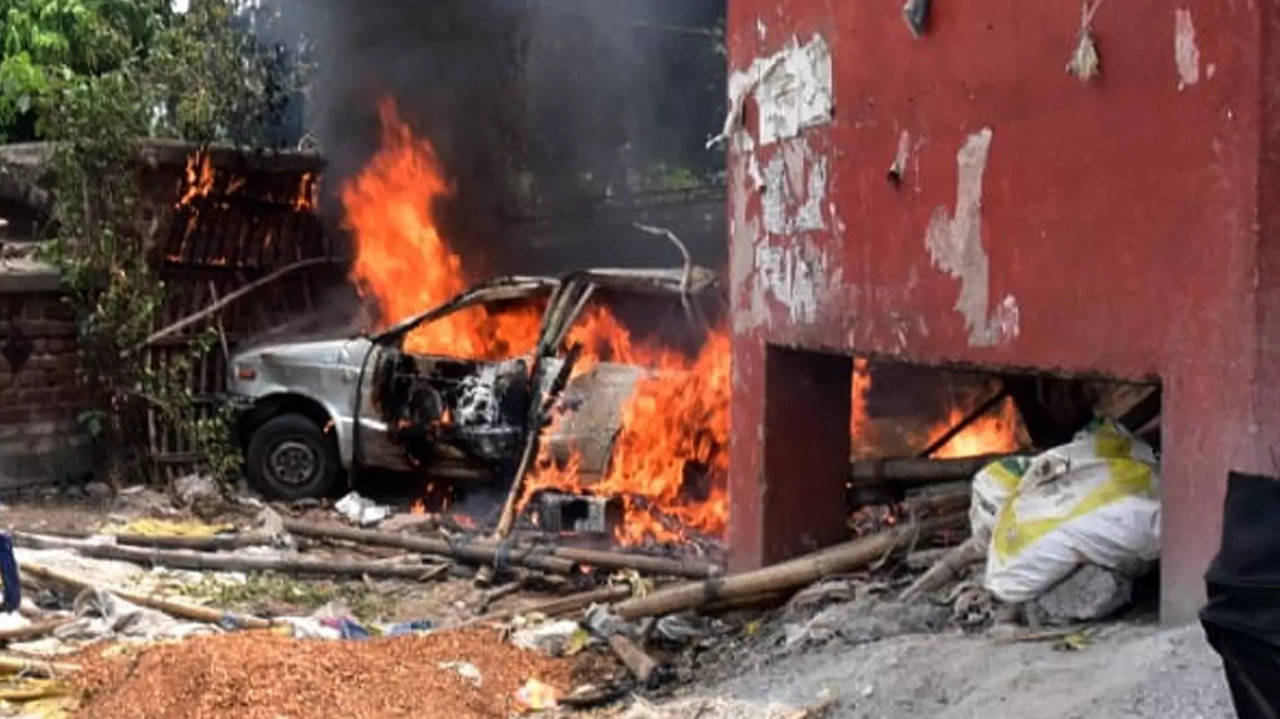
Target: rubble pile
(287,609)
(262,675)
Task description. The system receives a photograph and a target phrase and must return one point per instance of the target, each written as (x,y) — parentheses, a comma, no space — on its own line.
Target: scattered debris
(536,696)
(950,566)
(550,638)
(466,670)
(197,490)
(361,511)
(1087,594)
(867,620)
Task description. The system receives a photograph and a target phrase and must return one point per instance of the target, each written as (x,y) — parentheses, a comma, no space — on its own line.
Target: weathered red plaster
(1134,223)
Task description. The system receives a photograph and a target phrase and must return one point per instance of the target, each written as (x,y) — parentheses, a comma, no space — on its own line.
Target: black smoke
(541,110)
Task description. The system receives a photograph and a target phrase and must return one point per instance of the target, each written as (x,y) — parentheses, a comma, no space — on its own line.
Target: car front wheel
(290,458)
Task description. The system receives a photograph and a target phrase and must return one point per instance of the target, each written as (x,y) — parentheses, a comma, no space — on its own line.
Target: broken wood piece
(33,630)
(229,298)
(182,610)
(753,601)
(203,544)
(35,667)
(181,559)
(644,563)
(556,607)
(918,470)
(462,550)
(641,665)
(924,559)
(560,560)
(785,575)
(493,595)
(931,503)
(949,567)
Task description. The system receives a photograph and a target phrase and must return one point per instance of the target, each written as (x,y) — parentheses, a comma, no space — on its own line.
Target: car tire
(289,457)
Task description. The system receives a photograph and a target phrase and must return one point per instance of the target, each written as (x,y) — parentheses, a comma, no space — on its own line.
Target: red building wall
(1122,226)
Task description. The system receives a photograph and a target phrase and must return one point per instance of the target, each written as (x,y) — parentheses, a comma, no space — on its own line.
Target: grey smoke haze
(525,100)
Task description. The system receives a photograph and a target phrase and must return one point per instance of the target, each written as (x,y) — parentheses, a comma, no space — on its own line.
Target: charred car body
(311,411)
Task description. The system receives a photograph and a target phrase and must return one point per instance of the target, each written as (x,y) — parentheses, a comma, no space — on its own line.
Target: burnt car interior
(468,419)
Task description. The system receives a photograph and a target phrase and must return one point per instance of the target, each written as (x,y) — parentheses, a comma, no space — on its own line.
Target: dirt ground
(1130,670)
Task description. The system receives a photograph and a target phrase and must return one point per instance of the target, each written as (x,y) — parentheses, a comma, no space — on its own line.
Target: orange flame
(403,260)
(993,433)
(997,431)
(304,199)
(674,426)
(675,423)
(197,178)
(858,404)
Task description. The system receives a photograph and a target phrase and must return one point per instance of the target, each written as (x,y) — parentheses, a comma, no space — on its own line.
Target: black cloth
(1242,616)
(1253,671)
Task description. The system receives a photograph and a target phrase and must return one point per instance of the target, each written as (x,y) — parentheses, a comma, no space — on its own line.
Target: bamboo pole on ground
(33,630)
(179,559)
(462,550)
(793,573)
(182,610)
(35,667)
(556,559)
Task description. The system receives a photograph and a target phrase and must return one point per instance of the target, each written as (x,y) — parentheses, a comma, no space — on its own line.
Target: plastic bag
(1095,500)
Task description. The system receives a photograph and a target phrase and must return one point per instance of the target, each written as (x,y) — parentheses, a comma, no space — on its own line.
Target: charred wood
(559,560)
(643,563)
(462,550)
(949,567)
(917,470)
(641,665)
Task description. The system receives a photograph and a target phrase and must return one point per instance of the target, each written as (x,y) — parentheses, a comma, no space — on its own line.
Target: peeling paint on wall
(797,276)
(795,186)
(899,165)
(792,89)
(955,246)
(1186,55)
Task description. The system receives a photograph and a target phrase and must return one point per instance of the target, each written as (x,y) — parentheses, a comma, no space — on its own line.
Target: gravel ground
(259,675)
(1130,670)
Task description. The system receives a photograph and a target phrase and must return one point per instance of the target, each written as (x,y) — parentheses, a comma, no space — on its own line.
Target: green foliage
(43,42)
(200,76)
(365,602)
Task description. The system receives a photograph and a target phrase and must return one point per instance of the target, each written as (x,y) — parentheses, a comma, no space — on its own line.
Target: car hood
(325,352)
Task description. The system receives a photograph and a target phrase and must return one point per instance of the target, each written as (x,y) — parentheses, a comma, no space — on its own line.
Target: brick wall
(39,395)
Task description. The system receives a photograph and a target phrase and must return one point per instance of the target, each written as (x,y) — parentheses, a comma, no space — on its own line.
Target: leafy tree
(46,41)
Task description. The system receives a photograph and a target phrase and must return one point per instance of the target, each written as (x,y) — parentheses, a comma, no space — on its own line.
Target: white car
(452,418)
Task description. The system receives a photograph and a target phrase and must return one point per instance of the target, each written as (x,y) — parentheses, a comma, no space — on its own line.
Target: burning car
(311,411)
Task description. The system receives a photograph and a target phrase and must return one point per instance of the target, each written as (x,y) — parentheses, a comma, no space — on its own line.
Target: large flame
(403,260)
(674,437)
(995,432)
(670,460)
